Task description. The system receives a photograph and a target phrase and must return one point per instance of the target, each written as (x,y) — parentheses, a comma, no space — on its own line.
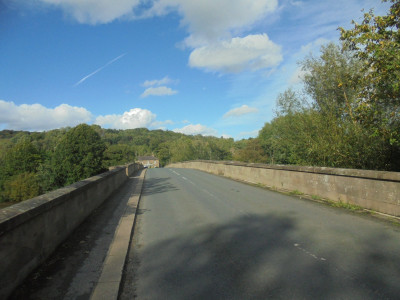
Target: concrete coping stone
(14,215)
(364,174)
(108,285)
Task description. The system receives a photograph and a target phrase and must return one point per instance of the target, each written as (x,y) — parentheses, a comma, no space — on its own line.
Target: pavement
(107,287)
(89,264)
(201,236)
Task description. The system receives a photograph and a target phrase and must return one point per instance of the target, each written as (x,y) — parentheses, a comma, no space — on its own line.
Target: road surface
(200,236)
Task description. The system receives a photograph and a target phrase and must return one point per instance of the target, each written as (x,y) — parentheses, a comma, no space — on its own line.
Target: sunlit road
(200,236)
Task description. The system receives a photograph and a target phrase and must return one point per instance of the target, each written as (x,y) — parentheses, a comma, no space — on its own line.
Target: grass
(347,206)
(316,198)
(295,193)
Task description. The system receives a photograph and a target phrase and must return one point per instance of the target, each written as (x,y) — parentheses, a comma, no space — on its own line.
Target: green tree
(22,158)
(376,43)
(21,187)
(79,155)
(182,150)
(119,154)
(331,81)
(164,154)
(253,152)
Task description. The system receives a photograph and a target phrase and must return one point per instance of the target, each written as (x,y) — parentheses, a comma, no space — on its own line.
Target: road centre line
(210,194)
(191,182)
(308,252)
(176,173)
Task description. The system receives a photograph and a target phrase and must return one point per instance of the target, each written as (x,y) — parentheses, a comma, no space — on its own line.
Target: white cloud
(96,11)
(210,20)
(226,136)
(240,111)
(211,25)
(36,117)
(197,129)
(296,3)
(134,118)
(160,124)
(252,52)
(205,19)
(297,77)
(248,134)
(314,46)
(164,81)
(158,91)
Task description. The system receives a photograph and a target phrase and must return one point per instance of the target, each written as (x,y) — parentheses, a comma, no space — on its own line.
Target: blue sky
(211,67)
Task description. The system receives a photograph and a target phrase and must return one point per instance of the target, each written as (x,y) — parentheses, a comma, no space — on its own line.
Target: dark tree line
(32,163)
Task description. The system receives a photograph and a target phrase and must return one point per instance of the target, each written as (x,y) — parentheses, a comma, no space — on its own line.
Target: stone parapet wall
(31,230)
(375,190)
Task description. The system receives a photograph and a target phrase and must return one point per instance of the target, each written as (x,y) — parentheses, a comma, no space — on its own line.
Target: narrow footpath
(74,270)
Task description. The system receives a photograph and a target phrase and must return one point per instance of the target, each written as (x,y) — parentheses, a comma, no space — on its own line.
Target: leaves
(376,43)
(78,155)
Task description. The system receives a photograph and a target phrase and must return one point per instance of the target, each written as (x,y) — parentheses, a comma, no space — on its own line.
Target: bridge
(204,236)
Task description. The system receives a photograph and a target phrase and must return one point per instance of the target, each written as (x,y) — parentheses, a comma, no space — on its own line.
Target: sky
(210,67)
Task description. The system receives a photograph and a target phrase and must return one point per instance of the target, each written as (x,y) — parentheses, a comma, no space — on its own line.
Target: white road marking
(191,182)
(308,252)
(210,194)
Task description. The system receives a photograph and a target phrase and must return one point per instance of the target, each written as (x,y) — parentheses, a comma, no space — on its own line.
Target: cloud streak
(240,111)
(164,81)
(158,91)
(99,69)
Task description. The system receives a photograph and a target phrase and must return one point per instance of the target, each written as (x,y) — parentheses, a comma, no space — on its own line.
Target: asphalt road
(200,236)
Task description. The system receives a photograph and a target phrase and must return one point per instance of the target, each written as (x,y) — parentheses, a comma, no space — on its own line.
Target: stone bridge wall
(375,190)
(31,230)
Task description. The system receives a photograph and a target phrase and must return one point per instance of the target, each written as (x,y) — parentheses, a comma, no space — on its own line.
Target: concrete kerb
(107,287)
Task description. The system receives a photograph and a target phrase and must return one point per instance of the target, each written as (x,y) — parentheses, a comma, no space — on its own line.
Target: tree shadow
(255,257)
(156,185)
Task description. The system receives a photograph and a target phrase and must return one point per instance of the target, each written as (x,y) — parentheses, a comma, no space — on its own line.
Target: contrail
(99,69)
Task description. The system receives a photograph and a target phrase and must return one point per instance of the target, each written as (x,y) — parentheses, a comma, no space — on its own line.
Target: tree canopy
(376,44)
(78,155)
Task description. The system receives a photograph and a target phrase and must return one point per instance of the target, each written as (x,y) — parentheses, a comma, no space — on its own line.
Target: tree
(327,132)
(79,155)
(21,187)
(164,154)
(253,152)
(17,167)
(118,154)
(23,157)
(376,43)
(331,81)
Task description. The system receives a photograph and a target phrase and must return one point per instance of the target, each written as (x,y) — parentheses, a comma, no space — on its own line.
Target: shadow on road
(255,257)
(157,185)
